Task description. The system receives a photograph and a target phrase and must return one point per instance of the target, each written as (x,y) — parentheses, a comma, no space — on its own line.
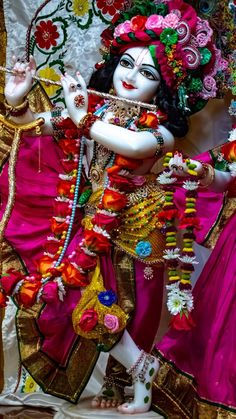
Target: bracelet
(18,110)
(85,124)
(159,140)
(56,118)
(208,175)
(160,143)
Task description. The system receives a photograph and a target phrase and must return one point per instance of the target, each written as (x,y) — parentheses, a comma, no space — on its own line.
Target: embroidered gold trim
(175,396)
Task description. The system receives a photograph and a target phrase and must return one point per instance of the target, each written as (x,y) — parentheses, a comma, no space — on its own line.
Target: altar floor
(80,411)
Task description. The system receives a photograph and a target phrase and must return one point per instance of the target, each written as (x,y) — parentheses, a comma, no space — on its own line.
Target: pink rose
(111,322)
(154,22)
(122,28)
(170,21)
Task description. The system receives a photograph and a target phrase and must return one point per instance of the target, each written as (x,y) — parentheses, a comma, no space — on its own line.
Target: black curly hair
(177,123)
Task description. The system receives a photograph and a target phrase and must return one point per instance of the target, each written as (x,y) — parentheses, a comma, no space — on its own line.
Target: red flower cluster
(110,7)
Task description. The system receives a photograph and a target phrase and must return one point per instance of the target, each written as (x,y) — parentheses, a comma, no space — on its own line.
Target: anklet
(141,376)
(133,369)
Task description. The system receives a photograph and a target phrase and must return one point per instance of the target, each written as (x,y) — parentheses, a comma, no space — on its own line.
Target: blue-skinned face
(135,76)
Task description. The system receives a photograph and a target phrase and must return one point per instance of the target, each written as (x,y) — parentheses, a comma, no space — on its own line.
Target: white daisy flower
(171,253)
(175,304)
(173,287)
(188,300)
(189,259)
(166,179)
(190,185)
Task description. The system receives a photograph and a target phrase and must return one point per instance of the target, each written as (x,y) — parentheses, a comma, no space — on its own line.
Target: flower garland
(57,271)
(179,298)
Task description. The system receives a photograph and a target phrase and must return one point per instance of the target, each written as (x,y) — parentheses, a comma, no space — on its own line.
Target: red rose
(86,262)
(52,246)
(96,242)
(88,320)
(9,282)
(73,277)
(122,182)
(69,146)
(58,227)
(138,22)
(113,200)
(182,322)
(69,165)
(61,208)
(108,221)
(64,187)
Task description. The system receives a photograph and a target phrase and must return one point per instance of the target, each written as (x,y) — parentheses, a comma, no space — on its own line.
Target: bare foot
(143,380)
(109,397)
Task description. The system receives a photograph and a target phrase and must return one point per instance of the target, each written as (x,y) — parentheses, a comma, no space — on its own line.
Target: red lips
(128,86)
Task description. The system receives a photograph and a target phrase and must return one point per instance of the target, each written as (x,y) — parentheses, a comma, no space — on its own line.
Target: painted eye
(147,74)
(126,63)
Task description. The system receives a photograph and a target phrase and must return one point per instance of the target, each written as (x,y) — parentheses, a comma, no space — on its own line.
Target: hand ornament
(76,96)
(181,167)
(19,84)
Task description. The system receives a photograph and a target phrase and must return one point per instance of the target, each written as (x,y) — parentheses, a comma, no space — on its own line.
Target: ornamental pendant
(96,174)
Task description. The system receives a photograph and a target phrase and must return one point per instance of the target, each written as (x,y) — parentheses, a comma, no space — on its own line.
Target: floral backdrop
(62,35)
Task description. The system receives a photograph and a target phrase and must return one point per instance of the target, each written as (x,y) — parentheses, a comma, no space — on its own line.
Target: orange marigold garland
(55,271)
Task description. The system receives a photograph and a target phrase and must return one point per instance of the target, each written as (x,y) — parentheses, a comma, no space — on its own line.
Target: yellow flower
(49,73)
(30,385)
(80,7)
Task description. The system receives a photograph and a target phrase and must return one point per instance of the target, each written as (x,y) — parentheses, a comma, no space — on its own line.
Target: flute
(94,92)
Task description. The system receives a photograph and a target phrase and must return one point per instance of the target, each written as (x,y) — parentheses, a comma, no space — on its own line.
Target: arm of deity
(209,177)
(133,144)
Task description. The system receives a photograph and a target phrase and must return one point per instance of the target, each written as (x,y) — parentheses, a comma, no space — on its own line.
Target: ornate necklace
(121,114)
(100,160)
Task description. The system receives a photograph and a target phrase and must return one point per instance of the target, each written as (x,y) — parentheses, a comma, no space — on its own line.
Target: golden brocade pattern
(175,396)
(138,221)
(227,211)
(66,381)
